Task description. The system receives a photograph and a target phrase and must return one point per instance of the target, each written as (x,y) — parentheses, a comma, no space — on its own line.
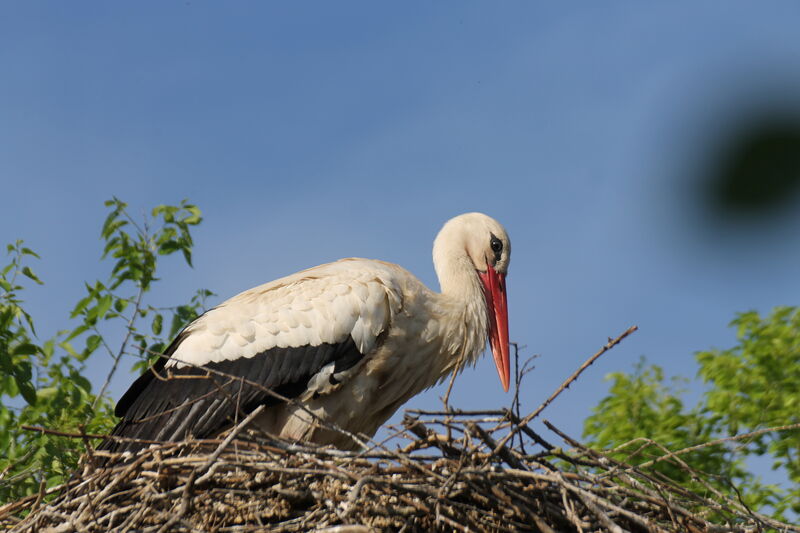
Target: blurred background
(645,158)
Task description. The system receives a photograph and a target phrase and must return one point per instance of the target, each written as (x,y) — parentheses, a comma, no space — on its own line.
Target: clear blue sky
(310,131)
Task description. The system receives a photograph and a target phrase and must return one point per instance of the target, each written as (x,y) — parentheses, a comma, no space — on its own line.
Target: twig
(715,442)
(519,374)
(49,431)
(610,344)
(232,435)
(118,356)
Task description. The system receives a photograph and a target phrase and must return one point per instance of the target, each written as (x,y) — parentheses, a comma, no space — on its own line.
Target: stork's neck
(465,326)
(458,279)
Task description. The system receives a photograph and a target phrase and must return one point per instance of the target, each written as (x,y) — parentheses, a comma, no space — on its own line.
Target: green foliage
(754,385)
(16,327)
(644,406)
(44,384)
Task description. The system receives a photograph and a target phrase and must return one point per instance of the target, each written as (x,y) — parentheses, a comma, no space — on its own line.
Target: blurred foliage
(758,170)
(44,384)
(754,385)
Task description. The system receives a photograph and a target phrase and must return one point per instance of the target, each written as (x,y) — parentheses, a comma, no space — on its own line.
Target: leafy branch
(45,384)
(749,409)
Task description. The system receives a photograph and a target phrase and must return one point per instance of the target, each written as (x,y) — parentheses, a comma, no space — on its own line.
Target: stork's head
(477,243)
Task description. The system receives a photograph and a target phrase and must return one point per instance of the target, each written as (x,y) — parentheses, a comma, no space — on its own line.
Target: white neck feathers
(465,320)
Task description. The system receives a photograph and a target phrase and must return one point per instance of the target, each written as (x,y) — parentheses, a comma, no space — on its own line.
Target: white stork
(349,341)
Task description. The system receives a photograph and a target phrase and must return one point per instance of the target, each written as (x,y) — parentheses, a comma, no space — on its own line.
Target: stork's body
(349,342)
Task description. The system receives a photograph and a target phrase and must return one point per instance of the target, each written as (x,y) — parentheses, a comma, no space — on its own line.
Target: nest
(460,471)
(444,470)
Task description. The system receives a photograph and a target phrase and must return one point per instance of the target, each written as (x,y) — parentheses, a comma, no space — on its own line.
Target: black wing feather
(172,404)
(141,383)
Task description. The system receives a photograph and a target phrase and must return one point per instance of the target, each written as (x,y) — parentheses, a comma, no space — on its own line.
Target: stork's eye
(497,247)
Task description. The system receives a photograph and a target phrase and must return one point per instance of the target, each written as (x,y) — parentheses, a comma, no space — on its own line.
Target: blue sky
(310,131)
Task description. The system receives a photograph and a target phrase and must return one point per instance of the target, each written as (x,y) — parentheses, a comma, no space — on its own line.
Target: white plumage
(323,304)
(349,341)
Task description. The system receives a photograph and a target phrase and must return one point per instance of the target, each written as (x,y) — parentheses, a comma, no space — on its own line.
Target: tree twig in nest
(610,344)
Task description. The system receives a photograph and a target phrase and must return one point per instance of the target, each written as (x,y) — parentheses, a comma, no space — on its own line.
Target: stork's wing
(298,336)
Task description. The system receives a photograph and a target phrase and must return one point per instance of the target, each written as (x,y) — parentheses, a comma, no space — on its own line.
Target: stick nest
(449,470)
(438,471)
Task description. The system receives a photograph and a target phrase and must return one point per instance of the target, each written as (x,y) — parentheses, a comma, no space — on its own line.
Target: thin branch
(715,442)
(231,435)
(610,344)
(122,348)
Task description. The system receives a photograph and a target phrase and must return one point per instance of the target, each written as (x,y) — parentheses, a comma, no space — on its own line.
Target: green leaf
(69,349)
(120,304)
(158,321)
(81,305)
(169,247)
(114,227)
(25,349)
(93,342)
(187,255)
(29,273)
(27,391)
(103,305)
(104,231)
(77,331)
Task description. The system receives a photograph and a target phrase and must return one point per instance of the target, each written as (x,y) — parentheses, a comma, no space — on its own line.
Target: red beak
(494,288)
